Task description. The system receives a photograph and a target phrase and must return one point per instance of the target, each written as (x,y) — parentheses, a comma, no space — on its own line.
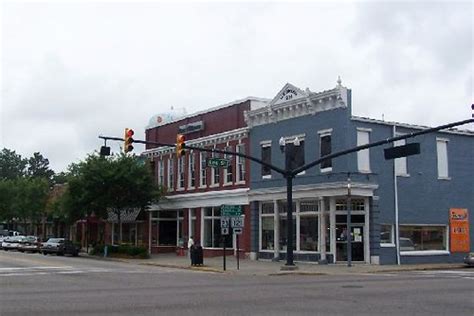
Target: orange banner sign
(459,230)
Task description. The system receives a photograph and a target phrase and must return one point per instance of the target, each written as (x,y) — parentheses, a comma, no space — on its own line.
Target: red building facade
(195,192)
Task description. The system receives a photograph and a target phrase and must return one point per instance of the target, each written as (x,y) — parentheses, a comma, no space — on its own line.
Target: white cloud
(72,71)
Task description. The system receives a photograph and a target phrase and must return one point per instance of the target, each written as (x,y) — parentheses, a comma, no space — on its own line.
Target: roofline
(219,107)
(412,126)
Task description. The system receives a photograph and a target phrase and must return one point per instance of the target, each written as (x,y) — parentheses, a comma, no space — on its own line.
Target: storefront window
(309,233)
(386,235)
(268,233)
(212,228)
(268,226)
(419,238)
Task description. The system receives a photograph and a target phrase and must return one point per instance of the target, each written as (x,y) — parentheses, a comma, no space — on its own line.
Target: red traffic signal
(180,145)
(128,140)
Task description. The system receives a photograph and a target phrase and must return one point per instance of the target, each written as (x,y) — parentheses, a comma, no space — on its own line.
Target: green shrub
(122,250)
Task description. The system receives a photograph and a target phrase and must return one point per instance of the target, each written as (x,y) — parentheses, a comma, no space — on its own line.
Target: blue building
(412,195)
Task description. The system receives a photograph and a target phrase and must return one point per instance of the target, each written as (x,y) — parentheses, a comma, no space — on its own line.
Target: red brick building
(196,192)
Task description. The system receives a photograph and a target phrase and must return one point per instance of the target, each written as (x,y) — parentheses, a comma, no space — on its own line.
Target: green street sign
(217,162)
(231,210)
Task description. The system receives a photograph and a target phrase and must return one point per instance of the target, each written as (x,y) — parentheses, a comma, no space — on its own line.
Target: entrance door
(167,233)
(357,242)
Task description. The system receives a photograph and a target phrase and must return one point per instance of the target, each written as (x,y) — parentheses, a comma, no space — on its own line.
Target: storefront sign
(191,127)
(459,230)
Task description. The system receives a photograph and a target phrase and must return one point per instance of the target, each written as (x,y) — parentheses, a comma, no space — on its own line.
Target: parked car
(11,243)
(59,246)
(469,259)
(29,243)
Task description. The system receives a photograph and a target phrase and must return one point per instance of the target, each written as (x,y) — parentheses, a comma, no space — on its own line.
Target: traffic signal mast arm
(279,170)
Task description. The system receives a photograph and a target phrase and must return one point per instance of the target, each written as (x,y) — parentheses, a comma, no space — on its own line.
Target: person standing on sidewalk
(190,245)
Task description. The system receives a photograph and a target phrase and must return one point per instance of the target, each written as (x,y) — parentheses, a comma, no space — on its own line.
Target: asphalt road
(32,284)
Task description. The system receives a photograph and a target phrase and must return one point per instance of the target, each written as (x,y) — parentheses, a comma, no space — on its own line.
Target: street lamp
(349,222)
(289,153)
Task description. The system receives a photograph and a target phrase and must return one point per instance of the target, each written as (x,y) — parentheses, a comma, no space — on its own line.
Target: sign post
(224,233)
(232,214)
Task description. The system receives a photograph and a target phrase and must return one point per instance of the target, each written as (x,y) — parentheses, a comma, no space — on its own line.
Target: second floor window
(296,154)
(240,169)
(180,183)
(442,155)
(203,171)
(400,163)
(325,149)
(228,175)
(191,170)
(267,158)
(161,172)
(363,156)
(170,173)
(215,171)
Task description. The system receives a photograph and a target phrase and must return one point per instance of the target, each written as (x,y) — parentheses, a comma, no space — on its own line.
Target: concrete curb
(195,268)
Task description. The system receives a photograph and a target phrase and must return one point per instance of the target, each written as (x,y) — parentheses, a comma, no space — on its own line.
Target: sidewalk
(267,267)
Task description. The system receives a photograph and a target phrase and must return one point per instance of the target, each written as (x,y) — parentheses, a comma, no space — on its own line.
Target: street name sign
(238,231)
(217,162)
(231,210)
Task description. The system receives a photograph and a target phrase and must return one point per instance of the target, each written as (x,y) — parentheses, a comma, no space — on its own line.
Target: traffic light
(180,145)
(128,140)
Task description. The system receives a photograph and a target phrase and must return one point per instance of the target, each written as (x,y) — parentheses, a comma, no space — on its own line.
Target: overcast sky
(71,71)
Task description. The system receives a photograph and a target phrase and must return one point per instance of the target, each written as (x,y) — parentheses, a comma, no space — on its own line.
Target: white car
(11,242)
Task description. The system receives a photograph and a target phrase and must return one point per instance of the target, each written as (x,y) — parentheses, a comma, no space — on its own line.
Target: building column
(276,225)
(254,230)
(322,225)
(332,225)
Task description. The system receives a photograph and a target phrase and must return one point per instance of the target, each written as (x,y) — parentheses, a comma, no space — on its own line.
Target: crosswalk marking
(62,270)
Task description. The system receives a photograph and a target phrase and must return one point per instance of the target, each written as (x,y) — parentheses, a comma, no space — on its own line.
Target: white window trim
(392,235)
(181,166)
(224,171)
(214,170)
(429,252)
(445,140)
(291,139)
(237,170)
(192,157)
(359,153)
(401,142)
(425,253)
(170,180)
(264,144)
(322,133)
(202,186)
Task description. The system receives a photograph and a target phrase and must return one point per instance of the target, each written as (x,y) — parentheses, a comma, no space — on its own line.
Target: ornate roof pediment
(289,93)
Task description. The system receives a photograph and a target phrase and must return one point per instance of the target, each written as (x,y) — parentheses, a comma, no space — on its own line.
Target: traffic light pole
(289,173)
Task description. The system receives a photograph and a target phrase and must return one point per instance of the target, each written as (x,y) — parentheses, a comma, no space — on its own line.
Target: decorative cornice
(314,190)
(303,103)
(211,140)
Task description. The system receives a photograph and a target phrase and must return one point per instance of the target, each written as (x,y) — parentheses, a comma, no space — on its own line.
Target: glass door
(357,238)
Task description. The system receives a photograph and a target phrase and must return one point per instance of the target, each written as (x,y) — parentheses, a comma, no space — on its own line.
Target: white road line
(34,268)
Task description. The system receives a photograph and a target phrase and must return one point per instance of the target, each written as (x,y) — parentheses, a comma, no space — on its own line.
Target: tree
(116,183)
(38,167)
(12,166)
(6,200)
(29,199)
